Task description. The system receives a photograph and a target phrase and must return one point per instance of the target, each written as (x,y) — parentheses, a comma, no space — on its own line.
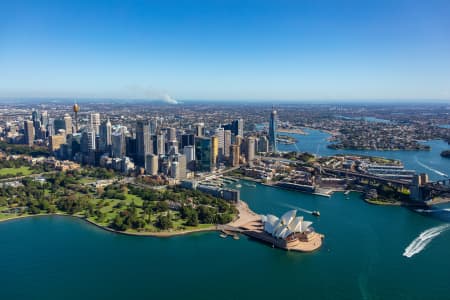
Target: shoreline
(244,214)
(143,234)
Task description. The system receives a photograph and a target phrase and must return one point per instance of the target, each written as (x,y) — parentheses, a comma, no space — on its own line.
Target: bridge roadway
(367,176)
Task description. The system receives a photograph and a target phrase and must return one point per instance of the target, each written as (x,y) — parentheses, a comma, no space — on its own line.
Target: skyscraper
(68,124)
(226,143)
(143,142)
(263,144)
(214,151)
(29,132)
(273,131)
(250,148)
(187,140)
(105,135)
(203,154)
(199,129)
(219,133)
(160,142)
(118,143)
(95,122)
(234,157)
(151,164)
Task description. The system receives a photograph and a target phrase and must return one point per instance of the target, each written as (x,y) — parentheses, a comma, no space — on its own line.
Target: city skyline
(272,51)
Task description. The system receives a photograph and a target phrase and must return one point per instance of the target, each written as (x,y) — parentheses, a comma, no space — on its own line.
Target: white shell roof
(287,224)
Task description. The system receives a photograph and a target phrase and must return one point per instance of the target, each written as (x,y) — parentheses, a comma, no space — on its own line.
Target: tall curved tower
(76,109)
(273,130)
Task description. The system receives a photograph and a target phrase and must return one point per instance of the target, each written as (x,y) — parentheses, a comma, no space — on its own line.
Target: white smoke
(168,99)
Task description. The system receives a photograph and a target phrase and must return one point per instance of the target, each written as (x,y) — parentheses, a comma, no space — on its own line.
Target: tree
(164,222)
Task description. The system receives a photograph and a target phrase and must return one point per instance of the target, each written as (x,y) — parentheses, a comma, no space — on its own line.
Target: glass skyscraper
(273,131)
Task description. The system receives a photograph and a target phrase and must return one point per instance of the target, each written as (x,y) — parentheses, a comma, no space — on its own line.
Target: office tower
(130,147)
(178,167)
(214,150)
(68,124)
(234,155)
(250,148)
(44,119)
(199,129)
(51,127)
(106,135)
(226,143)
(143,142)
(203,154)
(172,134)
(76,109)
(263,144)
(160,143)
(88,141)
(153,126)
(118,144)
(56,141)
(273,123)
(35,116)
(95,122)
(219,133)
(29,132)
(236,127)
(59,125)
(172,147)
(188,151)
(151,164)
(187,140)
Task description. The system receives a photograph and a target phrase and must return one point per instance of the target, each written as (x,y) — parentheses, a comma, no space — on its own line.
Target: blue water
(362,256)
(422,161)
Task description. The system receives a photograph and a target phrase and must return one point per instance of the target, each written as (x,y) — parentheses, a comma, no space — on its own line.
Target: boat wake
(424,239)
(430,168)
(298,208)
(420,210)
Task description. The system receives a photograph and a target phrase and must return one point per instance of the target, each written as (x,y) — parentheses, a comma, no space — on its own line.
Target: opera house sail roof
(283,227)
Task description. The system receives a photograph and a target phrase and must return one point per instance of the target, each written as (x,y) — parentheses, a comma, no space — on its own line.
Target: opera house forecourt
(290,232)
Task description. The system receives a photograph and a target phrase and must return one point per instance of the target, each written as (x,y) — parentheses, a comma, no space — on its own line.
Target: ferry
(316,213)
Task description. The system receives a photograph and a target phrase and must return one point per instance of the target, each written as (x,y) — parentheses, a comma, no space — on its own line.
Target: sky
(226,50)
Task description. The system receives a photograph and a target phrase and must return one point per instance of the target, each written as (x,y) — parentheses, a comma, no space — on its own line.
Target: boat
(316,213)
(223,235)
(238,185)
(235,237)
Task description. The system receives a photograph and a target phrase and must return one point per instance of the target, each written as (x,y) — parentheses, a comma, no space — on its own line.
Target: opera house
(290,232)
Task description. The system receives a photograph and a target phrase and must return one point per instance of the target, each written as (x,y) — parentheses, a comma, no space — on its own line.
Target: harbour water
(369,252)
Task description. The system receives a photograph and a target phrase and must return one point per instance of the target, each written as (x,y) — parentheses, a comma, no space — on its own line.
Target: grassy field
(16,171)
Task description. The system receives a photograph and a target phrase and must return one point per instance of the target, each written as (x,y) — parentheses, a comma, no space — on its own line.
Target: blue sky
(269,50)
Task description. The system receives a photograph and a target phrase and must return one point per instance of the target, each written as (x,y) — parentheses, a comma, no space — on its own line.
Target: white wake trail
(430,168)
(424,239)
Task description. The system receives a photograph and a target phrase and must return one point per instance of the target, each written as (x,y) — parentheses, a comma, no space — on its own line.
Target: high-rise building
(51,127)
(273,123)
(234,155)
(161,145)
(44,119)
(203,154)
(178,167)
(219,133)
(95,122)
(263,144)
(118,144)
(236,127)
(88,141)
(59,125)
(29,132)
(214,150)
(68,124)
(105,135)
(189,153)
(226,143)
(199,129)
(250,151)
(56,141)
(187,140)
(151,164)
(172,134)
(143,142)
